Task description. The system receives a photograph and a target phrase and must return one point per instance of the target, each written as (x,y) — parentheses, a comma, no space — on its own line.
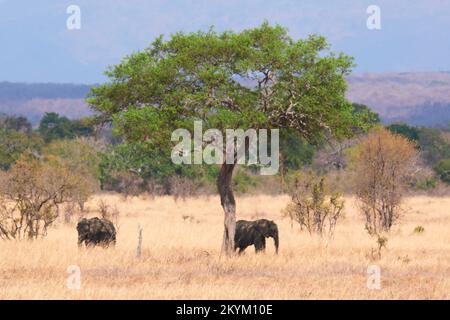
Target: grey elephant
(96,231)
(255,233)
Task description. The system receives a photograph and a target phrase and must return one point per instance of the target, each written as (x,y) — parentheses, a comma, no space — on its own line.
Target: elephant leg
(113,240)
(260,244)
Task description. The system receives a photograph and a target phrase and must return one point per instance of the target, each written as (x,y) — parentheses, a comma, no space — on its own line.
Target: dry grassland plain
(181,256)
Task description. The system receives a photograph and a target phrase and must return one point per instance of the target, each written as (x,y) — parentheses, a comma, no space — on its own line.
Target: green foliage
(258,78)
(145,161)
(140,158)
(244,181)
(410,132)
(366,117)
(78,155)
(435,150)
(443,170)
(296,150)
(425,184)
(430,141)
(433,146)
(53,126)
(82,159)
(13,143)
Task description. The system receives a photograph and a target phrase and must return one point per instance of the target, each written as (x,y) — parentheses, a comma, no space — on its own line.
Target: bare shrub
(69,212)
(312,206)
(130,184)
(154,189)
(125,182)
(383,161)
(332,155)
(381,242)
(181,187)
(108,212)
(30,193)
(103,209)
(115,213)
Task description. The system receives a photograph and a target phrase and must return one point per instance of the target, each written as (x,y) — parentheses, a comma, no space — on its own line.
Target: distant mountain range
(32,100)
(421,98)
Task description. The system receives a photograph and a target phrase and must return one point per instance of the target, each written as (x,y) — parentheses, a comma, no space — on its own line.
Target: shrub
(30,193)
(182,187)
(312,206)
(81,157)
(383,162)
(108,212)
(443,170)
(381,242)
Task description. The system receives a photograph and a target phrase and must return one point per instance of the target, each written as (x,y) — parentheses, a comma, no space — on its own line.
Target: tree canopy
(53,126)
(256,78)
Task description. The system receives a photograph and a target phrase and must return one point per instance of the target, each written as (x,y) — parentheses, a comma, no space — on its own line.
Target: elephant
(96,231)
(255,233)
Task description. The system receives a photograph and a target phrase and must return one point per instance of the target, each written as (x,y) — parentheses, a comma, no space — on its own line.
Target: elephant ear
(261,227)
(81,223)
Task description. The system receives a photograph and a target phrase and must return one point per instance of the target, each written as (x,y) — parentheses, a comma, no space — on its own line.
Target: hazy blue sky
(36,45)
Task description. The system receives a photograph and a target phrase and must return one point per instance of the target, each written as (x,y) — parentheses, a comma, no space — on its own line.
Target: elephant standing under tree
(255,233)
(96,231)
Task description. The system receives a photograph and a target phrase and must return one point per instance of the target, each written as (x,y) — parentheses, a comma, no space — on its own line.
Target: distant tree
(83,127)
(297,84)
(410,132)
(53,126)
(13,143)
(443,170)
(433,146)
(368,117)
(20,124)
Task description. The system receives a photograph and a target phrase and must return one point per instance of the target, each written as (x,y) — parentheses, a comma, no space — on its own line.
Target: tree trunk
(229,207)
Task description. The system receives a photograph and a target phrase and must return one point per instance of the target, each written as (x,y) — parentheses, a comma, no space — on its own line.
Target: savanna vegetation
(341,170)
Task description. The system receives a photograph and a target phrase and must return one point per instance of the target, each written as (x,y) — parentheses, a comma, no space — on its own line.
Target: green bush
(443,170)
(243,181)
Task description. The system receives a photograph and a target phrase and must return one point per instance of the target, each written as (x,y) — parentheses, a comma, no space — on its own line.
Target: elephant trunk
(275,240)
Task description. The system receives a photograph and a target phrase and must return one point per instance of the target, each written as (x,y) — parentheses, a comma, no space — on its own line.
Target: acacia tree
(257,78)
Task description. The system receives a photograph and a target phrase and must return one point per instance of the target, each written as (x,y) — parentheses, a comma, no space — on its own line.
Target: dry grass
(181,257)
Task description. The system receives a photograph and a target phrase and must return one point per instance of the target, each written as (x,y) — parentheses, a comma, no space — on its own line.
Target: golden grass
(181,256)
